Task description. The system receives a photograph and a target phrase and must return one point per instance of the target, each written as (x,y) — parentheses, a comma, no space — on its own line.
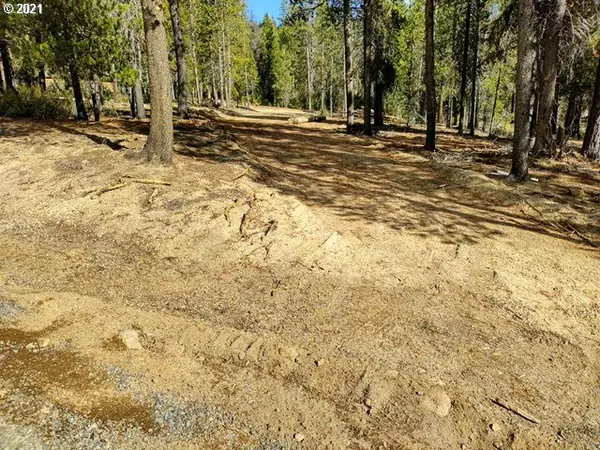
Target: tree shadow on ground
(390,180)
(357,179)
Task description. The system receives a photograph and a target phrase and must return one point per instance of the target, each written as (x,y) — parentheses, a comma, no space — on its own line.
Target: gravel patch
(9,310)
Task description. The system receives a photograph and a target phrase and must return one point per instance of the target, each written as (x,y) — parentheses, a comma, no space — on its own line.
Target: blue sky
(259,7)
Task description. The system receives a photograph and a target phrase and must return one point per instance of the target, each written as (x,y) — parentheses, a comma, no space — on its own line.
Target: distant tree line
(526,68)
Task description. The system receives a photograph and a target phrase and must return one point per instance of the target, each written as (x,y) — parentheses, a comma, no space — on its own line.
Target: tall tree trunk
(309,80)
(378,84)
(440,115)
(449,117)
(409,87)
(77,92)
(196,74)
(192,23)
(331,85)
(2,86)
(378,104)
(348,68)
(547,86)
(323,80)
(591,141)
(182,90)
(430,74)
(464,69)
(42,76)
(495,101)
(535,88)
(247,86)
(131,99)
(7,65)
(160,140)
(137,94)
(138,98)
(229,71)
(576,127)
(554,117)
(473,117)
(221,73)
(525,59)
(567,129)
(96,88)
(367,64)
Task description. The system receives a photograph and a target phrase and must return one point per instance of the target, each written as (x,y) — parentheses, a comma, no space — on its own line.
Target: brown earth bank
(290,286)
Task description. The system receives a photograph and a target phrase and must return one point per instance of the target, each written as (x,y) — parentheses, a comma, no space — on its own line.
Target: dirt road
(292,287)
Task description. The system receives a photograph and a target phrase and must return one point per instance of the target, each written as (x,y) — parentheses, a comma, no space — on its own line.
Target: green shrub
(110,111)
(35,103)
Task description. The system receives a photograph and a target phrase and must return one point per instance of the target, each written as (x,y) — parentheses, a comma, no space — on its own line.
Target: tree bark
(473,117)
(567,129)
(547,83)
(378,86)
(495,102)
(42,76)
(96,86)
(331,85)
(229,72)
(182,90)
(554,117)
(2,86)
(309,81)
(160,140)
(137,94)
(591,141)
(7,65)
(465,63)
(525,59)
(367,65)
(430,74)
(221,74)
(576,125)
(77,92)
(348,68)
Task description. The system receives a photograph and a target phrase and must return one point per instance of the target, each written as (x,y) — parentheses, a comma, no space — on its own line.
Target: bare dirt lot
(293,287)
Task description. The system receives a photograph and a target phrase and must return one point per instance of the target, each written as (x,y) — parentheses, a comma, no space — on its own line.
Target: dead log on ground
(305,119)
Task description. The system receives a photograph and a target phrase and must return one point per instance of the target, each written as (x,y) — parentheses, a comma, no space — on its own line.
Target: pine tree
(160,140)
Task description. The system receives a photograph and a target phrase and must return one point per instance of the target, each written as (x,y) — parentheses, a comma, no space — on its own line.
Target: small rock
(45,343)
(131,339)
(392,374)
(320,362)
(299,437)
(241,355)
(495,427)
(437,402)
(30,346)
(289,353)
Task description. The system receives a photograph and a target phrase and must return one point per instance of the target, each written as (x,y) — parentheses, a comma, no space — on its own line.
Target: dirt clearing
(293,287)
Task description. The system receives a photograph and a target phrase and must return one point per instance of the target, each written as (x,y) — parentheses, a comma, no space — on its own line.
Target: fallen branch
(514,410)
(586,239)
(147,181)
(151,198)
(229,208)
(241,174)
(305,119)
(570,229)
(104,190)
